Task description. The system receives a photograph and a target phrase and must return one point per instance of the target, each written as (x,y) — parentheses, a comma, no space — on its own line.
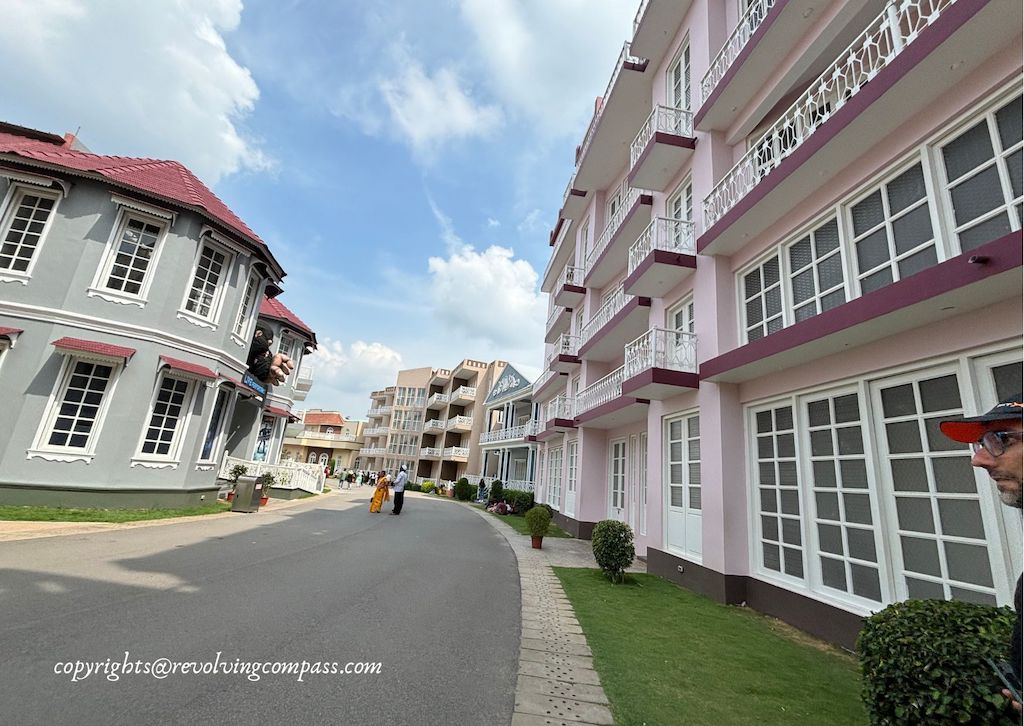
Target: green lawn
(60,514)
(518,523)
(670,656)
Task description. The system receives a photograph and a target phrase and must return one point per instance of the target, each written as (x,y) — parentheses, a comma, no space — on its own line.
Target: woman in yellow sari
(381,495)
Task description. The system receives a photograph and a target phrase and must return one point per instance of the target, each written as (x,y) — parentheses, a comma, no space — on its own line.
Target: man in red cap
(997,439)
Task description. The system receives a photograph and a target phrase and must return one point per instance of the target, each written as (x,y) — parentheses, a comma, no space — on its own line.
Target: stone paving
(557,684)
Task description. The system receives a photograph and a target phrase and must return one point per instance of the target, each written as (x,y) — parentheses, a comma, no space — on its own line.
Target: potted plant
(538,520)
(236,471)
(263,483)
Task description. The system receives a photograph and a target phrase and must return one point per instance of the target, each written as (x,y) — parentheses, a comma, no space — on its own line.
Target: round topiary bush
(463,490)
(923,662)
(427,487)
(613,547)
(538,520)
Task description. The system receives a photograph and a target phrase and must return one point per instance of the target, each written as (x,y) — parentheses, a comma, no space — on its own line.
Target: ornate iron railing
(628,198)
(570,276)
(673,235)
(614,304)
(601,392)
(287,474)
(659,348)
(740,36)
(624,57)
(511,434)
(558,407)
(664,119)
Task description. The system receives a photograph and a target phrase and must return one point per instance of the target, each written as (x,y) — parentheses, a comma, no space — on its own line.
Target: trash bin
(247,496)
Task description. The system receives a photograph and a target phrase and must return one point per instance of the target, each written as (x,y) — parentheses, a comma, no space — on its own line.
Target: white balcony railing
(375,431)
(373,451)
(624,57)
(546,376)
(570,276)
(464,392)
(756,13)
(672,235)
(304,377)
(638,18)
(523,485)
(456,452)
(430,451)
(511,434)
(348,438)
(601,392)
(558,246)
(381,410)
(898,25)
(664,119)
(672,350)
(614,304)
(628,198)
(559,407)
(438,398)
(565,345)
(434,424)
(460,421)
(553,317)
(287,474)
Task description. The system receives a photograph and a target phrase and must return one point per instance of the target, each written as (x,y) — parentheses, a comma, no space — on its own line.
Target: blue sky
(404,159)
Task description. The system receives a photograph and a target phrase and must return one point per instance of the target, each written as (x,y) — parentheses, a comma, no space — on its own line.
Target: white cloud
(531,223)
(148,78)
(492,223)
(345,375)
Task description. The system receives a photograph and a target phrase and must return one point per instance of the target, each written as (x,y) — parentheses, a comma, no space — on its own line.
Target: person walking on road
(381,494)
(399,487)
(997,439)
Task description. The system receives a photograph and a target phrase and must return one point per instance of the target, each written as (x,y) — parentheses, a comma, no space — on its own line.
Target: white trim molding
(35,179)
(195,320)
(138,206)
(62,458)
(150,464)
(111,296)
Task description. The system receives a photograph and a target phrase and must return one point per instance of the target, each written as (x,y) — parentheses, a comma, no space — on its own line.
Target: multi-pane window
(684,463)
(202,295)
(680,206)
(23,228)
(80,404)
(983,173)
(132,256)
(555,478)
(617,472)
(213,431)
(693,462)
(762,300)
(842,498)
(165,422)
(778,492)
(816,271)
(248,304)
(679,80)
(892,231)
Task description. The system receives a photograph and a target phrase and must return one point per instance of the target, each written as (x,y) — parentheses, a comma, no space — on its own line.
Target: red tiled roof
(9,331)
(278,411)
(191,368)
(324,419)
(92,346)
(274,308)
(165,179)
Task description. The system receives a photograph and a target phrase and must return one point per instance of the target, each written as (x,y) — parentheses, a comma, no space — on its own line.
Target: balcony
(574,202)
(375,431)
(562,254)
(661,147)
(608,256)
(603,406)
(434,425)
(548,382)
(303,382)
(430,453)
(373,451)
(564,356)
(569,290)
(381,411)
(303,436)
(438,401)
(604,152)
(558,322)
(655,24)
(619,321)
(660,364)
(440,375)
(456,453)
(512,435)
(459,423)
(875,86)
(464,393)
(661,258)
(558,417)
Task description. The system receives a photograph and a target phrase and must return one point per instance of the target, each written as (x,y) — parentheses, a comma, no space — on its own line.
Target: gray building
(128,297)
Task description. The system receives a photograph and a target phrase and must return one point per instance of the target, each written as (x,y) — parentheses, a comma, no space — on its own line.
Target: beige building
(324,436)
(431,420)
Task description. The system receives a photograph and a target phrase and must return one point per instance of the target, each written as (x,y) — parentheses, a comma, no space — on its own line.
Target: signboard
(250,380)
(510,383)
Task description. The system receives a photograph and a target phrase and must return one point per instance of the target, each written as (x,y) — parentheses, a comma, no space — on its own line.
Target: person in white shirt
(399,489)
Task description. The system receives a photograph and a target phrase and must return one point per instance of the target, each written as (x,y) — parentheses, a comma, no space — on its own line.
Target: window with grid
(762,300)
(202,295)
(554,477)
(778,492)
(842,496)
(617,470)
(23,227)
(679,80)
(132,256)
(680,206)
(248,305)
(169,410)
(941,525)
(693,463)
(816,271)
(983,177)
(80,404)
(571,466)
(892,231)
(683,447)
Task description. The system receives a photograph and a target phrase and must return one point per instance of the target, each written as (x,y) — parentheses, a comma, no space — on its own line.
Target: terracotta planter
(535,541)
(263,501)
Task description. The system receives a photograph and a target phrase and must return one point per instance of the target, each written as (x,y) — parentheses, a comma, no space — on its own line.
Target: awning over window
(93,347)
(190,369)
(5,332)
(275,411)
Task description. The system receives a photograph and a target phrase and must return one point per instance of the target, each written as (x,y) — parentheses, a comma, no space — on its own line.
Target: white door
(682,348)
(683,521)
(632,474)
(617,480)
(570,480)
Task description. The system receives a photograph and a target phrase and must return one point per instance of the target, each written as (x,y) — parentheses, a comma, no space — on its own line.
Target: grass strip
(518,523)
(670,656)
(62,514)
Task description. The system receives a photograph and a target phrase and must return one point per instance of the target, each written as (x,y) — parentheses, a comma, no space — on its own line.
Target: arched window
(311,459)
(323,459)
(330,430)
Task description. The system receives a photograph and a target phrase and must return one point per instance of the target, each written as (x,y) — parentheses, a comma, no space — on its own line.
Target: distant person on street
(349,480)
(381,494)
(996,438)
(399,487)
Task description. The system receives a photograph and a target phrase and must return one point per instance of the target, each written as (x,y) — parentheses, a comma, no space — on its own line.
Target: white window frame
(685,101)
(171,459)
(98,288)
(682,197)
(808,231)
(686,308)
(222,426)
(248,310)
(741,293)
(12,201)
(209,321)
(43,450)
(642,483)
(612,444)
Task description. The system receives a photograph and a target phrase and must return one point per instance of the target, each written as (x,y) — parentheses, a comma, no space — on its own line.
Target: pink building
(790,246)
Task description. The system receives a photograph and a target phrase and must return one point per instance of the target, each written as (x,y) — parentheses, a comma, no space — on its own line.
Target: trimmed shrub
(464,490)
(521,501)
(412,487)
(923,661)
(264,482)
(427,487)
(496,493)
(613,547)
(237,470)
(538,520)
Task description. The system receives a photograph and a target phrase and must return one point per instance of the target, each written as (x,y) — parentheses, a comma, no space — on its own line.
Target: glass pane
(915,515)
(918,261)
(1007,379)
(766,473)
(764,421)
(818,413)
(857,508)
(865,582)
(876,281)
(767,500)
(968,563)
(803,286)
(785,444)
(961,518)
(824,474)
(940,394)
(862,544)
(833,573)
(903,437)
(770,528)
(771,556)
(898,401)
(921,555)
(821,443)
(909,475)
(873,250)
(784,418)
(1013,165)
(791,531)
(924,590)
(787,473)
(854,473)
(912,229)
(789,501)
(983,232)
(954,475)
(800,254)
(771,272)
(794,562)
(967,151)
(867,213)
(830,272)
(752,283)
(1008,121)
(828,505)
(850,440)
(982,598)
(974,197)
(830,538)
(826,238)
(906,189)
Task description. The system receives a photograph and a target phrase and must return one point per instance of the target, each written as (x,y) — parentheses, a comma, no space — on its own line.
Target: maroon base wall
(578,529)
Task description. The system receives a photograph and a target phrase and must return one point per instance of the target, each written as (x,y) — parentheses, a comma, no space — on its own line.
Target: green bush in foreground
(427,487)
(538,520)
(463,490)
(496,493)
(923,662)
(521,501)
(613,547)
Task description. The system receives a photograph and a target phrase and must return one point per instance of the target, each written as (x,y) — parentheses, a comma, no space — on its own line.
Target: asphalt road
(432,595)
